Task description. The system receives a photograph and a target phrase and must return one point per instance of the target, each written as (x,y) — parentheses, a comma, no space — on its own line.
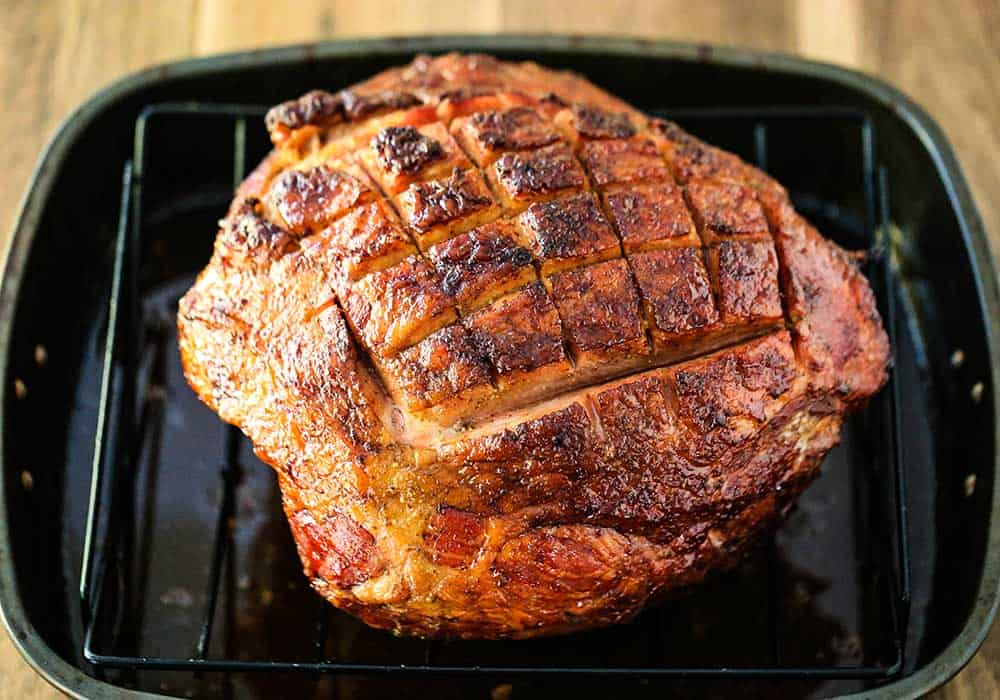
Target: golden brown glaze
(622,161)
(524,177)
(366,239)
(441,369)
(675,291)
(482,265)
(722,209)
(650,216)
(487,134)
(520,334)
(589,121)
(568,232)
(599,309)
(308,199)
(523,359)
(745,274)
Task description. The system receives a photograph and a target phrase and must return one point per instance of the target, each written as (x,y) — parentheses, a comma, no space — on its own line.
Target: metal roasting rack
(130,406)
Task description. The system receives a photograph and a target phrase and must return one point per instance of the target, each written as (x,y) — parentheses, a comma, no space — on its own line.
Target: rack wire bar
(231,470)
(118,384)
(231,473)
(107,400)
(893,420)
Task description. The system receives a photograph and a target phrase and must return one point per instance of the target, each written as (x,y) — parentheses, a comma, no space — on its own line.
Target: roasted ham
(523,359)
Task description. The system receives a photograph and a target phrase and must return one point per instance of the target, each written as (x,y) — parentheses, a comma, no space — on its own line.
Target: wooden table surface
(945,55)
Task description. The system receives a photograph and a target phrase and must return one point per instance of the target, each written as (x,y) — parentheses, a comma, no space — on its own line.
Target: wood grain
(945,55)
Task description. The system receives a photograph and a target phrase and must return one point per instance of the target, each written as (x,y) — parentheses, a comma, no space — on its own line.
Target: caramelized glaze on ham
(523,359)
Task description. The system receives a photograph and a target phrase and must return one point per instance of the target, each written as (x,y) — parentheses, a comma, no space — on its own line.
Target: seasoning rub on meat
(523,359)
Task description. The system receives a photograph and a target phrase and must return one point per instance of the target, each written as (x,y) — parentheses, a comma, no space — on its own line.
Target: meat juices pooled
(523,359)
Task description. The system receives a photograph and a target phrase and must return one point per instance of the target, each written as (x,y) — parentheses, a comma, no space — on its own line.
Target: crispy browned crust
(487,134)
(723,209)
(438,376)
(568,232)
(622,161)
(525,177)
(745,276)
(520,335)
(479,266)
(676,292)
(439,209)
(397,307)
(650,216)
(591,122)
(523,359)
(599,309)
(366,239)
(307,199)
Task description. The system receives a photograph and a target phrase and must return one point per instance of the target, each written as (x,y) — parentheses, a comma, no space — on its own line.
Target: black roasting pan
(882,583)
